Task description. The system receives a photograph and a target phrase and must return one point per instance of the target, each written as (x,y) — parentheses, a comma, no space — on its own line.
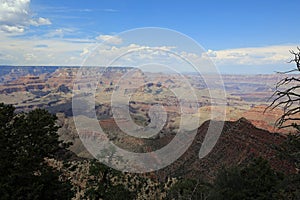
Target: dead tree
(287,96)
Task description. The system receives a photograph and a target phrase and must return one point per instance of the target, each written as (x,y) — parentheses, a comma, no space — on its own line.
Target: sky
(238,36)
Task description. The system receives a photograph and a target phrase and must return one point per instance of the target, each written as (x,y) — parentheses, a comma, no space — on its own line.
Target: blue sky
(256,29)
(214,24)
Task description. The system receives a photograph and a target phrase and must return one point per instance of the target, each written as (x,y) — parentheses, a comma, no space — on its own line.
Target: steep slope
(240,141)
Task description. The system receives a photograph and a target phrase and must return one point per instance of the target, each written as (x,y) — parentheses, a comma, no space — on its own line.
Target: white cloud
(40,21)
(110,39)
(16,16)
(12,29)
(211,53)
(110,10)
(60,51)
(276,55)
(85,51)
(60,32)
(29,57)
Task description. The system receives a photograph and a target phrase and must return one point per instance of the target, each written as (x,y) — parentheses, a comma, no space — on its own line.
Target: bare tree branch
(293,70)
(287,96)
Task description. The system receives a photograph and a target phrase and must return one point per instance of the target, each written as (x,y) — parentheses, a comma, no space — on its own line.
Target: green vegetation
(189,189)
(100,185)
(25,140)
(256,180)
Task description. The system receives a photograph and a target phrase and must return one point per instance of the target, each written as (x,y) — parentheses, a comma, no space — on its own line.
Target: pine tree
(25,140)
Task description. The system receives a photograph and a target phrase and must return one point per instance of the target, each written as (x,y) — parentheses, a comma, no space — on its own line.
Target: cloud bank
(110,39)
(16,16)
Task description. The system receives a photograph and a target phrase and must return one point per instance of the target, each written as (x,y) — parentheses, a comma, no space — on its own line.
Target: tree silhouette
(25,140)
(287,96)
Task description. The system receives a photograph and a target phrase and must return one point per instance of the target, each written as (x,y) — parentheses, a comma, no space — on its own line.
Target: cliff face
(64,76)
(31,82)
(240,141)
(24,83)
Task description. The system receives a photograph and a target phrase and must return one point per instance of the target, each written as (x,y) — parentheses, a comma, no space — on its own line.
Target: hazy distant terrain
(31,87)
